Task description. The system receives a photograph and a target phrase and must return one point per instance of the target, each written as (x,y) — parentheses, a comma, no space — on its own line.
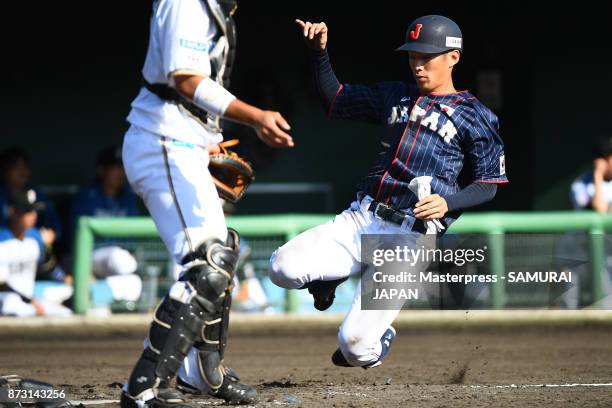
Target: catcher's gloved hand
(17,392)
(231,174)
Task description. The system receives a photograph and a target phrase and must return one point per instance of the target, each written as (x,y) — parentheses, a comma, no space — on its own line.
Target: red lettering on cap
(414,34)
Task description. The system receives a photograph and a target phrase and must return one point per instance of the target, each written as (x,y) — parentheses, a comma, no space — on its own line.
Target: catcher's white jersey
(181,35)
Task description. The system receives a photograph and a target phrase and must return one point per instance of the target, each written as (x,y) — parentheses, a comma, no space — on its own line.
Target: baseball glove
(230,173)
(17,392)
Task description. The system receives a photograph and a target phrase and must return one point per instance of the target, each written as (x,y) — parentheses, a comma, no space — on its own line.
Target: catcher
(175,121)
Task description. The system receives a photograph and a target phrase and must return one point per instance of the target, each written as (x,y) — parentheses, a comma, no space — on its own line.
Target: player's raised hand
(315,34)
(272,129)
(431,207)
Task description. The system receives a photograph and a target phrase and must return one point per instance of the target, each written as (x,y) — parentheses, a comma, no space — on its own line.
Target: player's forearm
(599,202)
(237,110)
(471,196)
(242,112)
(325,82)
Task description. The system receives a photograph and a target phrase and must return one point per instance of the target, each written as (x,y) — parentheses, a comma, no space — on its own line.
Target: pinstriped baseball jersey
(425,135)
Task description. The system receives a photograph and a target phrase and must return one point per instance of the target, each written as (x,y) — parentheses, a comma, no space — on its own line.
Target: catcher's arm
(270,126)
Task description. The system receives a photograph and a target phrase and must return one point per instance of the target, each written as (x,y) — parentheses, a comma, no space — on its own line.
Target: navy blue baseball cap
(433,35)
(25,201)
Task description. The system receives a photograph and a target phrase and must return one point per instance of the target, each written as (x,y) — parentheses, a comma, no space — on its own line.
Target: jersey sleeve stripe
(492,181)
(331,105)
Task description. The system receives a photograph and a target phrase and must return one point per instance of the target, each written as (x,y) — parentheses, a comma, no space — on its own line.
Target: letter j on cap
(414,34)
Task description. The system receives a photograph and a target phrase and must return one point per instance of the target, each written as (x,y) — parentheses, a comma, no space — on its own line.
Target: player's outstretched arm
(325,82)
(353,102)
(270,126)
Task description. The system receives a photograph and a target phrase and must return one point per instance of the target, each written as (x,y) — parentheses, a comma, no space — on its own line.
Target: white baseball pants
(333,251)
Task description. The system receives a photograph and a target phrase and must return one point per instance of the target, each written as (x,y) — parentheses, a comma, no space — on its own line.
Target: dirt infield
(459,366)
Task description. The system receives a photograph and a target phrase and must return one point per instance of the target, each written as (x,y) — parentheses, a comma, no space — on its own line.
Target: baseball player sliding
(429,133)
(175,119)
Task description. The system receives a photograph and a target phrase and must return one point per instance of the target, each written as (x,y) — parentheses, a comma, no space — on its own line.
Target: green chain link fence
(494,225)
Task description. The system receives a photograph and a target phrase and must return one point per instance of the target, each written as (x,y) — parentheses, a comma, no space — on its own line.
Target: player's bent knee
(276,271)
(283,271)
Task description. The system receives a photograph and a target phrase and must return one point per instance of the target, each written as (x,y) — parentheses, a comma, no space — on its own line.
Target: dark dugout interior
(72,68)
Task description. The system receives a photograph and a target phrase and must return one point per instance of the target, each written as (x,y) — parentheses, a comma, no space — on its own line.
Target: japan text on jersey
(426,135)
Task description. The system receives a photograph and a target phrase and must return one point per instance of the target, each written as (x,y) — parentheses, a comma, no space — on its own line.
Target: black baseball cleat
(185,387)
(339,360)
(235,393)
(386,341)
(232,391)
(324,292)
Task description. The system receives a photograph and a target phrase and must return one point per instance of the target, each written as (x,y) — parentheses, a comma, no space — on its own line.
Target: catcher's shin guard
(213,280)
(174,330)
(177,326)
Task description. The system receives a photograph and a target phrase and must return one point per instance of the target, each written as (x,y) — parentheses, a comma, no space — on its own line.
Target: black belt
(387,213)
(168,93)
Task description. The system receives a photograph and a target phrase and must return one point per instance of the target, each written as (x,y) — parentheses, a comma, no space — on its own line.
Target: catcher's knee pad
(211,269)
(212,277)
